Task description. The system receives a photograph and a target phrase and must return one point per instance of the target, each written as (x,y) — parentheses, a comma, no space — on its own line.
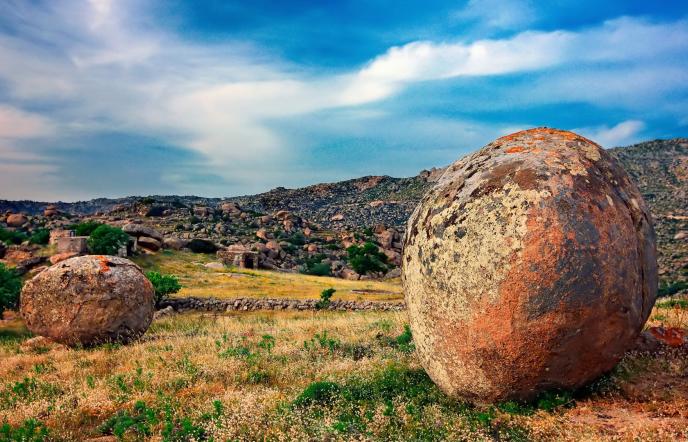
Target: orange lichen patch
(103,262)
(541,134)
(671,336)
(515,149)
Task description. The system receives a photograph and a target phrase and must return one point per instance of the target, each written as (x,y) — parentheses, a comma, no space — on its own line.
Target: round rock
(531,265)
(88,300)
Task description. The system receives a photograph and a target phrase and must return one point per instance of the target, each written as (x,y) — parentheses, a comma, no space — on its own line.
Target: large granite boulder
(88,300)
(530,265)
(139,230)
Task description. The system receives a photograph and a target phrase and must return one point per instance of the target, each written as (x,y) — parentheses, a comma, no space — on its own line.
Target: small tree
(315,266)
(325,298)
(85,228)
(40,236)
(107,240)
(164,285)
(10,287)
(367,258)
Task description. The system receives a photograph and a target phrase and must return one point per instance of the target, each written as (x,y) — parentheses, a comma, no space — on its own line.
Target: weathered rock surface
(88,300)
(530,265)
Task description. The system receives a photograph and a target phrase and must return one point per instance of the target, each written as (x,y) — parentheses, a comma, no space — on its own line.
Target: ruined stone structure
(239,256)
(72,244)
(530,265)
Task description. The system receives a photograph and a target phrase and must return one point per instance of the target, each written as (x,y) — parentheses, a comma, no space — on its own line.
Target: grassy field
(305,376)
(198,280)
(314,375)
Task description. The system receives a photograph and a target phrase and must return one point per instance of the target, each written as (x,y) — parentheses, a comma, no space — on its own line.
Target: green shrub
(297,239)
(107,240)
(85,228)
(40,236)
(164,285)
(10,237)
(30,431)
(315,266)
(672,289)
(367,258)
(325,298)
(10,287)
(318,392)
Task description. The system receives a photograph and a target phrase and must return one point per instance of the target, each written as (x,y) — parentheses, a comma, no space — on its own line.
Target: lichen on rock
(530,265)
(88,300)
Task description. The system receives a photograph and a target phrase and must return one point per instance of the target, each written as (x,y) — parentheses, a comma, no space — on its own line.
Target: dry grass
(198,280)
(243,377)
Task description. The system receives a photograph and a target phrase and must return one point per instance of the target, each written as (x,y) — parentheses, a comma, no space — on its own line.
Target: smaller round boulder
(17,220)
(89,300)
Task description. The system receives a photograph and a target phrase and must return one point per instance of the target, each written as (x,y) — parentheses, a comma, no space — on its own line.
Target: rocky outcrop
(531,265)
(87,300)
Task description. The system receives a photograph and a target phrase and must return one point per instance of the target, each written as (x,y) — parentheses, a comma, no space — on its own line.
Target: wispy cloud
(622,134)
(71,69)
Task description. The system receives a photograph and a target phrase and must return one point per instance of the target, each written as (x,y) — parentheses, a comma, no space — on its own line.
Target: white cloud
(622,134)
(104,67)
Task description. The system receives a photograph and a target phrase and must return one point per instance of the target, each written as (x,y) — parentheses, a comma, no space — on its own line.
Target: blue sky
(221,98)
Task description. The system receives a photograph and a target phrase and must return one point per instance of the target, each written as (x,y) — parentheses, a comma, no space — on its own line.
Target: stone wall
(251,304)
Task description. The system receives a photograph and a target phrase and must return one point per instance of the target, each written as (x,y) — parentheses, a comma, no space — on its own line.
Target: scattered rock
(61,257)
(50,211)
(88,300)
(16,220)
(214,265)
(681,235)
(174,243)
(531,265)
(670,336)
(148,243)
(139,230)
(349,274)
(337,217)
(41,344)
(167,311)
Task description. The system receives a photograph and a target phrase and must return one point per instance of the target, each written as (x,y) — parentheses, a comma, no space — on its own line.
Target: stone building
(239,256)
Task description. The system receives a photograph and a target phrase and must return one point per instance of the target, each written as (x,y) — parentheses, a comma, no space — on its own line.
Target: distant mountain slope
(660,168)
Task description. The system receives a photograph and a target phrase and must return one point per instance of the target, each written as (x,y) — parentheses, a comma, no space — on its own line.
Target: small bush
(10,237)
(85,228)
(30,431)
(164,285)
(673,288)
(318,393)
(367,258)
(10,287)
(40,236)
(314,266)
(325,298)
(107,240)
